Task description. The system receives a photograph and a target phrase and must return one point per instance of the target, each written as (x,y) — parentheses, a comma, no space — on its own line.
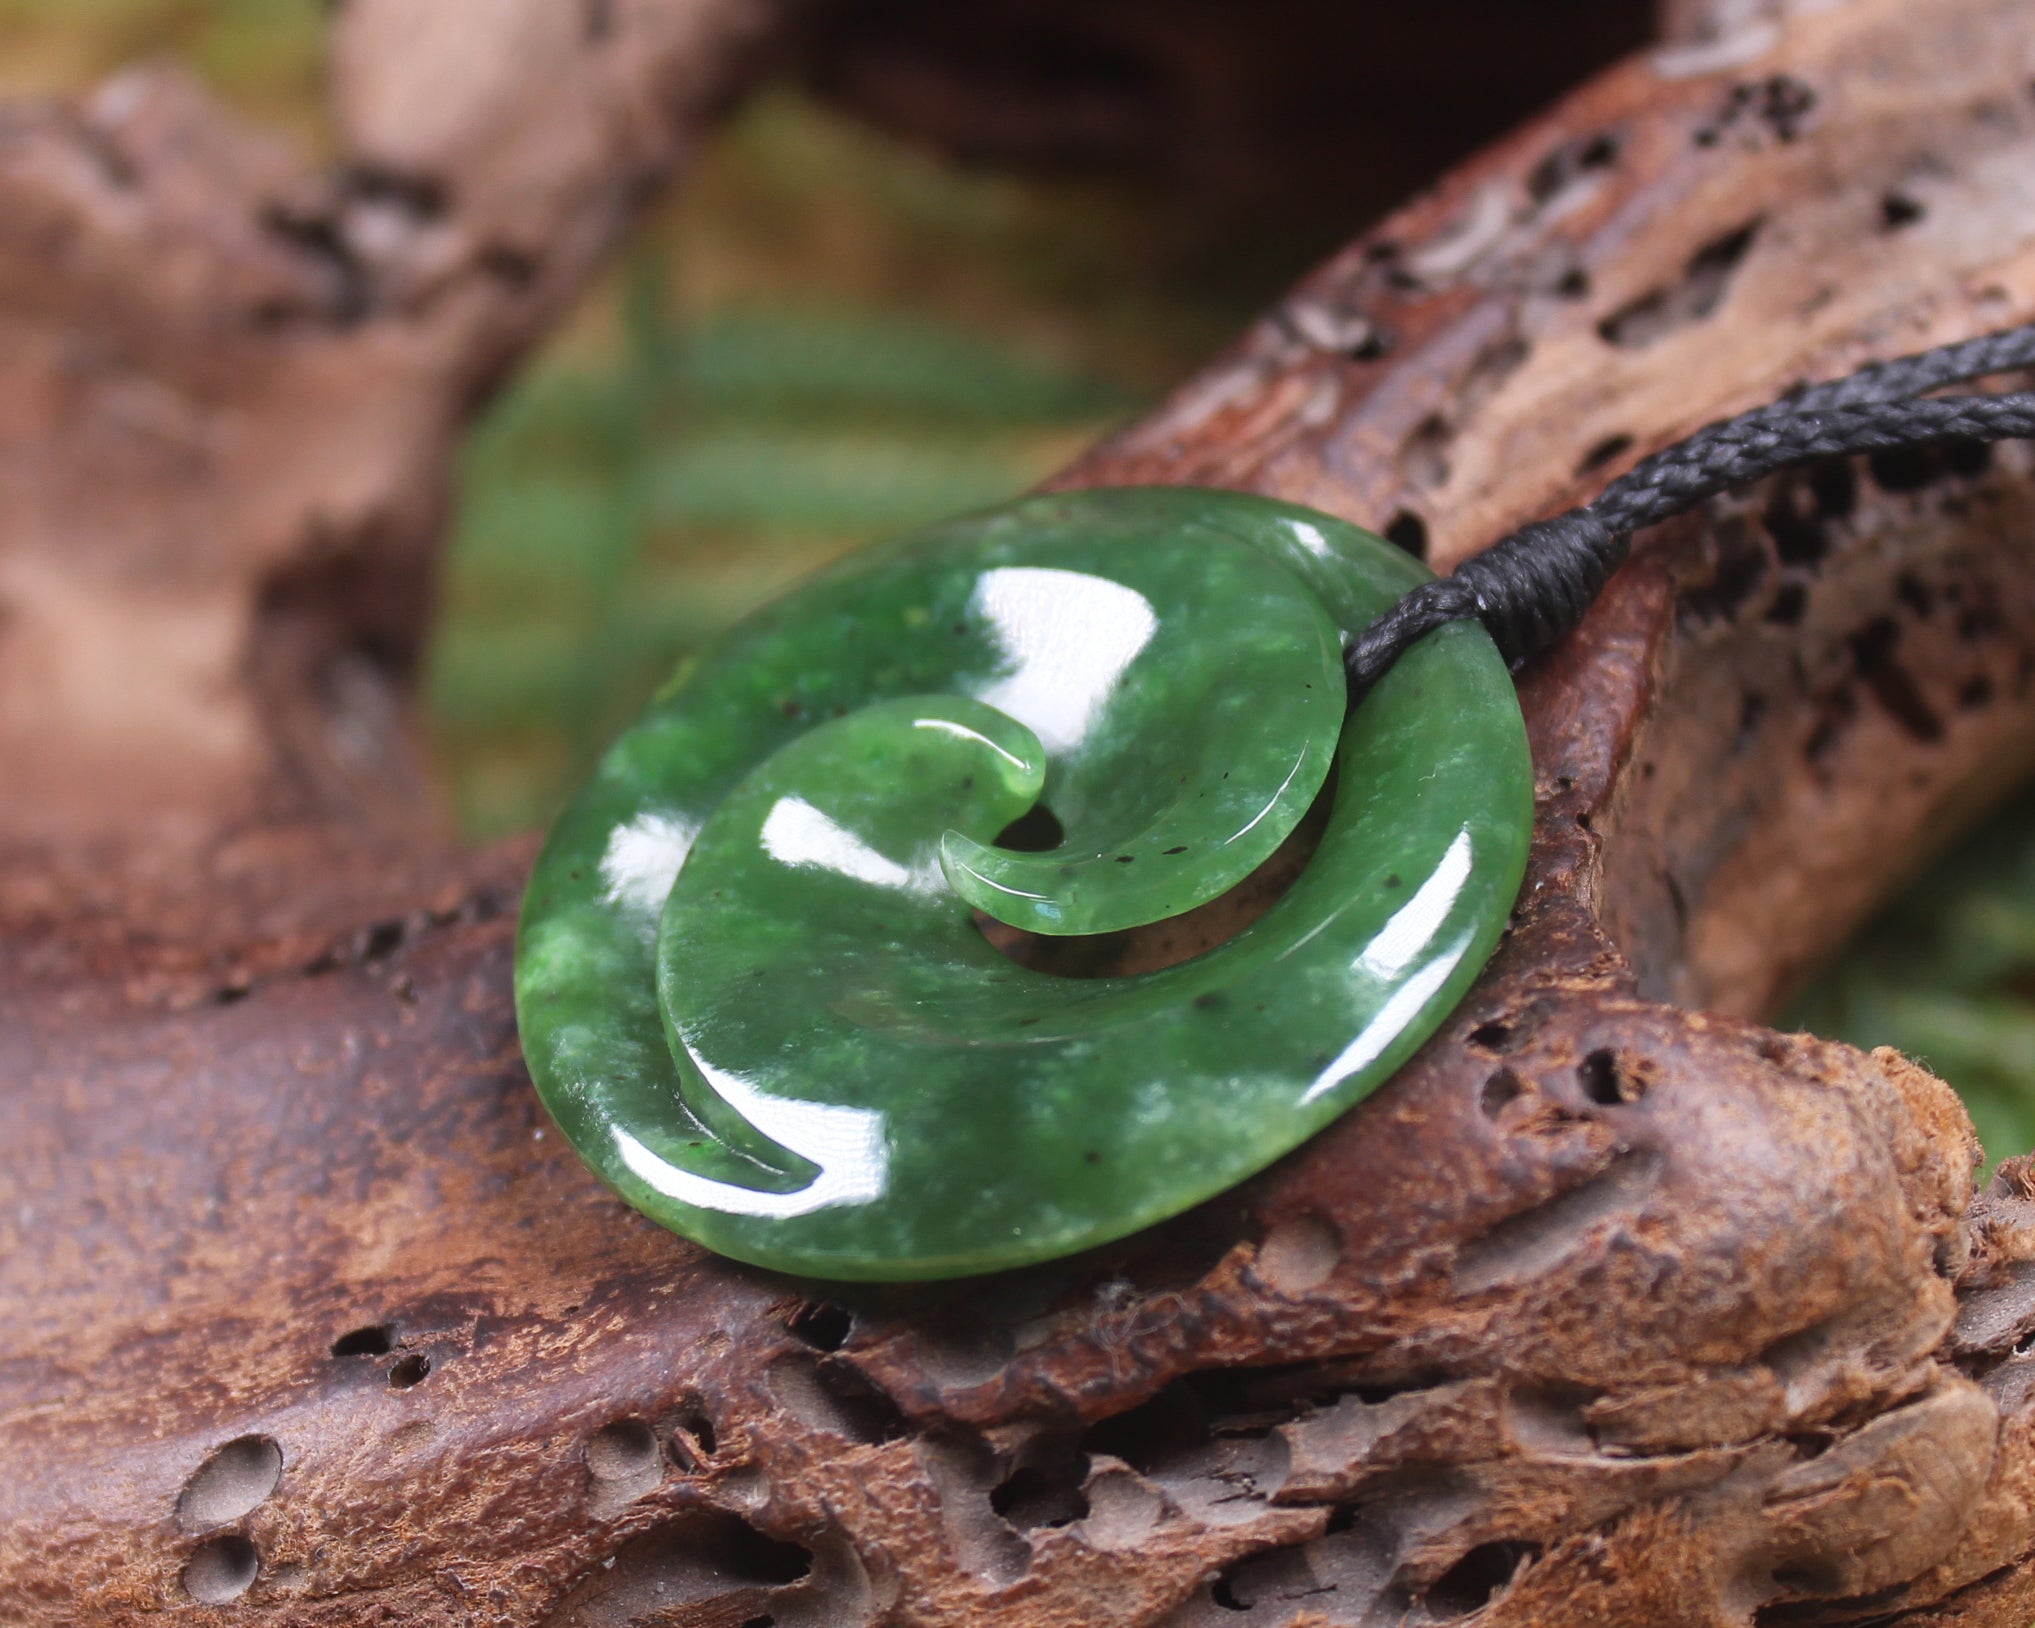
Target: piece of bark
(230,392)
(1313,116)
(1604,1311)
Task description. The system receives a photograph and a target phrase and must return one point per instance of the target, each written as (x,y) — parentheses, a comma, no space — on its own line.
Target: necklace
(761,974)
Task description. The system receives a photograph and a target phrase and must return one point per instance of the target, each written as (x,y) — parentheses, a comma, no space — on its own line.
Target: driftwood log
(1614,1308)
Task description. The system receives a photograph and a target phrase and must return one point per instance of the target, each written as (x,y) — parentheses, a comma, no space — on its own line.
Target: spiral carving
(752,982)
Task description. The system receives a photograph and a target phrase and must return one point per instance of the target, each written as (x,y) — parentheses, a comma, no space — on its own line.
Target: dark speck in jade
(750,986)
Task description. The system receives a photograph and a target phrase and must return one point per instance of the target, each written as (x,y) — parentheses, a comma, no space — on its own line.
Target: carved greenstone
(751,982)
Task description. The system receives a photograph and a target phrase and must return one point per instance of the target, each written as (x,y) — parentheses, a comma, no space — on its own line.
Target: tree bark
(1281,108)
(1614,1307)
(233,388)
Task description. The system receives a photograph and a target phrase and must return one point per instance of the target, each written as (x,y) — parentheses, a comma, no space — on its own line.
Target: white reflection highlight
(1400,1010)
(1068,637)
(643,860)
(975,737)
(847,1144)
(1400,942)
(796,833)
(1310,538)
(1414,924)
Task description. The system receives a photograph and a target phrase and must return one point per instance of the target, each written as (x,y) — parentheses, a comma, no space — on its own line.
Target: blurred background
(833,332)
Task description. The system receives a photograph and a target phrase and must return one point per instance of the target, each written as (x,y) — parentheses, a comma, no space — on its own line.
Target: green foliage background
(830,336)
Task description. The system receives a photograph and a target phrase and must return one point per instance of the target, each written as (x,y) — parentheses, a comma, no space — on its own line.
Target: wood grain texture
(1609,1310)
(230,389)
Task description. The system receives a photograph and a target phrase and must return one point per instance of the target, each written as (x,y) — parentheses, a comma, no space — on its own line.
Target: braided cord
(1534,586)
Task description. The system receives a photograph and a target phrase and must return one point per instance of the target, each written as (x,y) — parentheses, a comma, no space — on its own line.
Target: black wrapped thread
(1534,586)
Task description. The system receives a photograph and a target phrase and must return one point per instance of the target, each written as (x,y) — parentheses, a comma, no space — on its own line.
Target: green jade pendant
(750,980)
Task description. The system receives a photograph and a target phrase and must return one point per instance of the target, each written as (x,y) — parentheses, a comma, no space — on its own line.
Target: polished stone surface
(805,1053)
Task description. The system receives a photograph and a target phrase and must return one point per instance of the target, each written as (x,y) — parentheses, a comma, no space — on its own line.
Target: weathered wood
(1288,110)
(232,388)
(1606,1311)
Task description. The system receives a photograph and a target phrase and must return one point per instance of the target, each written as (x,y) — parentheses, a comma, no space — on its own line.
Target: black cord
(1533,586)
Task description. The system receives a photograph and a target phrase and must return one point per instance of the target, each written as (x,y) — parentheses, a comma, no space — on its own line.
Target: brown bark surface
(1614,1308)
(230,387)
(1334,113)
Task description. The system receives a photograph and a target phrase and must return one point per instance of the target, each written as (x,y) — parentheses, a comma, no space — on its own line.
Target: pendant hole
(1178,938)
(409,1370)
(1036,831)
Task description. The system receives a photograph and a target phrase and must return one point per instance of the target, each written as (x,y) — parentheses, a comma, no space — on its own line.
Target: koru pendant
(751,979)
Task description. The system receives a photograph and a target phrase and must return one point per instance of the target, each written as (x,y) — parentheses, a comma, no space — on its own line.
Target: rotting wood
(232,391)
(1606,1311)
